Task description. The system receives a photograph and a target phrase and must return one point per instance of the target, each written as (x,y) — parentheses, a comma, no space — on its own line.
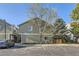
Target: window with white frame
(30,28)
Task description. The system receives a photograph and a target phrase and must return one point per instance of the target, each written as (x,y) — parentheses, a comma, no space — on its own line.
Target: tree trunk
(40,38)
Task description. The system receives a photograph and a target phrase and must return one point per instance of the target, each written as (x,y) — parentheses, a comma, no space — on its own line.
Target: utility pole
(5,28)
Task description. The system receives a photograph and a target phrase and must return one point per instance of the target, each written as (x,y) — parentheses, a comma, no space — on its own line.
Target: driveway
(43,50)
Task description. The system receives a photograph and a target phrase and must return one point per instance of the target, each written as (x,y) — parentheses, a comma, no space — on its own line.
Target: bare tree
(47,14)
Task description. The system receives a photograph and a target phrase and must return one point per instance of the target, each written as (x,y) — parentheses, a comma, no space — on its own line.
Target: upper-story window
(30,28)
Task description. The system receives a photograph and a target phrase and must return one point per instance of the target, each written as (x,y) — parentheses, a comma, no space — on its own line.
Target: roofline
(34,18)
(5,21)
(23,23)
(28,21)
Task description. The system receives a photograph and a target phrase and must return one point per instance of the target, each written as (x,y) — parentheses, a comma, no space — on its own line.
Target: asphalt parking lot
(42,50)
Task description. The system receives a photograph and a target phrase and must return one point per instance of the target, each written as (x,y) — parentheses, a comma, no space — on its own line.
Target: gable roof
(33,19)
(8,24)
(1,20)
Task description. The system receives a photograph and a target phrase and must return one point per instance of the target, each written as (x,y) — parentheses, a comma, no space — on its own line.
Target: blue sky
(16,13)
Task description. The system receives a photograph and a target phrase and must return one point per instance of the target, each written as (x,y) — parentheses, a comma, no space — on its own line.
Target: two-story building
(30,30)
(5,30)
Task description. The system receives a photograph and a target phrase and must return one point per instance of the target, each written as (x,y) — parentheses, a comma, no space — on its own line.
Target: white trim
(29,28)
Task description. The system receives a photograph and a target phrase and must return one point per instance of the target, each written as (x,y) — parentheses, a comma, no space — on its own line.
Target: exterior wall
(35,38)
(24,28)
(29,38)
(2,30)
(23,31)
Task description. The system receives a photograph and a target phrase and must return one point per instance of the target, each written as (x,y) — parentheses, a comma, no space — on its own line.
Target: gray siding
(24,28)
(2,30)
(30,38)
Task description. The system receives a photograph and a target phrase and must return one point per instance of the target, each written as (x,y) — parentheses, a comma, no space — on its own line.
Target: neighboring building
(68,26)
(69,33)
(30,32)
(5,30)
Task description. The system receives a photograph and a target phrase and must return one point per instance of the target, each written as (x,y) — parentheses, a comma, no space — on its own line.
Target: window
(30,28)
